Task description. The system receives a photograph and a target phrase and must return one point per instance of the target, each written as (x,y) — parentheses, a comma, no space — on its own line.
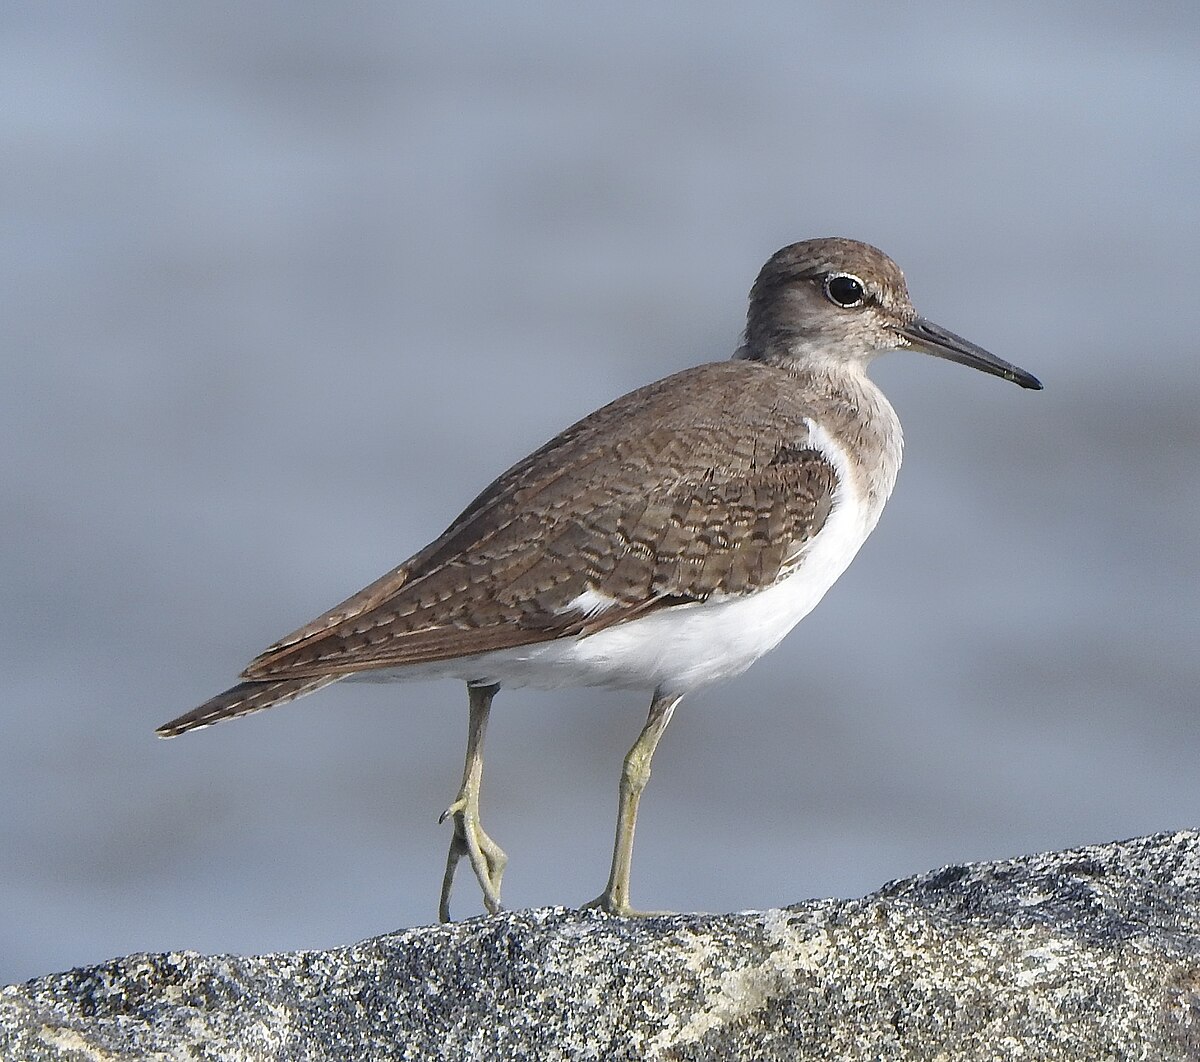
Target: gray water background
(284,285)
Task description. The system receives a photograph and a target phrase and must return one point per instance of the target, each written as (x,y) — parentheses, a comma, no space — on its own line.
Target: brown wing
(703,483)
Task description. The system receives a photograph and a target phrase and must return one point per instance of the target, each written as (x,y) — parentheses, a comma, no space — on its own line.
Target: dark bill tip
(942,343)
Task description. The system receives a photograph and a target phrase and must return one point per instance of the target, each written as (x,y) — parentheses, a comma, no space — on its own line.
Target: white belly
(685,646)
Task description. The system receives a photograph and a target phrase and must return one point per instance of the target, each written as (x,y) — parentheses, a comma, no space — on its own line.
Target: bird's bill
(933,339)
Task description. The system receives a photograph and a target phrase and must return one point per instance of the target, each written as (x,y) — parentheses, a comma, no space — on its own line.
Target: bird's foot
(619,908)
(487,858)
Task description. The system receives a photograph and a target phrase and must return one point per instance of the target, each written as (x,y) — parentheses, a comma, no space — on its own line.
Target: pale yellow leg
(486,857)
(634,776)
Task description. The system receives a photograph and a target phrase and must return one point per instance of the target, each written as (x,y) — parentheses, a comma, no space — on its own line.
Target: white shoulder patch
(590,603)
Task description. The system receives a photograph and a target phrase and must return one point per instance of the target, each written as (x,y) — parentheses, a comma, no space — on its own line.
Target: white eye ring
(845,290)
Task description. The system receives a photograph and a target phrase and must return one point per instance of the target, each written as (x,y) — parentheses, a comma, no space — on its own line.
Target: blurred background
(286,284)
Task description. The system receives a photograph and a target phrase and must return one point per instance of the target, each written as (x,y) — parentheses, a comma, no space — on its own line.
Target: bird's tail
(242,699)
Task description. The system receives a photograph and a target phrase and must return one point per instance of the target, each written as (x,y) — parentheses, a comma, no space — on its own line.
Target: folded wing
(644,505)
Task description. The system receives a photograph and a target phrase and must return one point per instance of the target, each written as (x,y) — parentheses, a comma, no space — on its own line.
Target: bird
(663,542)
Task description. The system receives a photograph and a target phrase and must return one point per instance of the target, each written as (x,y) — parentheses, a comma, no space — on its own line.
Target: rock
(1087,954)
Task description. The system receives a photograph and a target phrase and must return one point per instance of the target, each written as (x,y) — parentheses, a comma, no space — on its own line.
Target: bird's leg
(634,776)
(486,857)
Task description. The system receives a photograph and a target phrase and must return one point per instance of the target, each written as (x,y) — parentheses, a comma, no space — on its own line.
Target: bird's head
(829,303)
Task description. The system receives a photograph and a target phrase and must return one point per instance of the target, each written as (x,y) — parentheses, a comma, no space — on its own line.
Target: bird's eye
(845,290)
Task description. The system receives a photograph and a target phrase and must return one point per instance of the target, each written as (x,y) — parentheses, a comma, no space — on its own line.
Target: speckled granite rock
(1088,954)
